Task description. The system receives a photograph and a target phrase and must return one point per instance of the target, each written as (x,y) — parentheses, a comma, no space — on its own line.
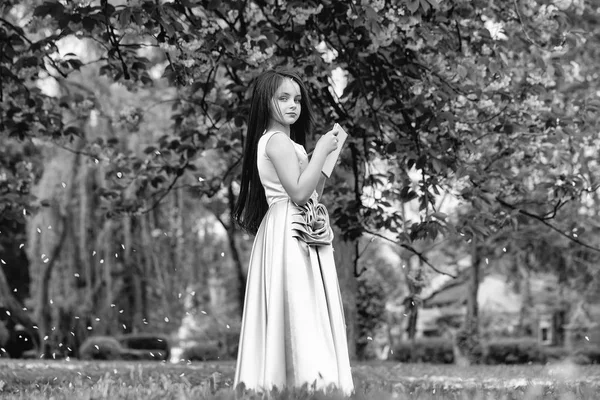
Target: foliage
(19,165)
(468,345)
(158,345)
(492,104)
(587,355)
(437,351)
(202,351)
(111,348)
(440,87)
(497,351)
(101,348)
(210,340)
(513,351)
(370,314)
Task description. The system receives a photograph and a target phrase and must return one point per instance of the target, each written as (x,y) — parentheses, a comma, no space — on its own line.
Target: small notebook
(332,158)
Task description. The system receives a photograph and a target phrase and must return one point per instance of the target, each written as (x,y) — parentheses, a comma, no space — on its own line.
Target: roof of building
(584,316)
(494,294)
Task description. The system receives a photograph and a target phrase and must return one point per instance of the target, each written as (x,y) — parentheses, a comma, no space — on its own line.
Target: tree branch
(544,221)
(529,39)
(113,40)
(412,250)
(167,190)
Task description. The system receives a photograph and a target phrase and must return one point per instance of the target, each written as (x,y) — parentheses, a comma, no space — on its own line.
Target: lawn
(33,380)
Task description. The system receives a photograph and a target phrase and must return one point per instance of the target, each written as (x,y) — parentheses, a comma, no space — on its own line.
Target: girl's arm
(299,186)
(321,185)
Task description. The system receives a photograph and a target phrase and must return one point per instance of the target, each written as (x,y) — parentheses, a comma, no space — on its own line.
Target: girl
(293,331)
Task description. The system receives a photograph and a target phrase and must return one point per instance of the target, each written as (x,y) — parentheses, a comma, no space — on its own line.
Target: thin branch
(412,250)
(229,23)
(529,39)
(113,40)
(17,29)
(167,190)
(173,187)
(365,249)
(79,152)
(544,221)
(20,32)
(459,36)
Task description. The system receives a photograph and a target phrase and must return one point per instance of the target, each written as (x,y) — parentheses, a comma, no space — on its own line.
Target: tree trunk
(345,255)
(239,268)
(15,308)
(86,266)
(43,314)
(524,326)
(472,317)
(147,222)
(467,349)
(133,273)
(107,267)
(414,274)
(413,315)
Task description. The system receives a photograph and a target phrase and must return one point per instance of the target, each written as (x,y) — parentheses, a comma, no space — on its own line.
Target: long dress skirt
(293,329)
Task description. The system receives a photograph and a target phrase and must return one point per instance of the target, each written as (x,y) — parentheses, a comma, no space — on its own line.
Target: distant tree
(489,102)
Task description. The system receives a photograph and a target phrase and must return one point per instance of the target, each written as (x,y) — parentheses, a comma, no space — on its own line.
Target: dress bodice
(274,190)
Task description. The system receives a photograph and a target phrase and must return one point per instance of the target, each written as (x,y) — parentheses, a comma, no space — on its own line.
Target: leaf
(125,17)
(72,130)
(89,23)
(462,71)
(150,149)
(391,148)
(438,166)
(439,215)
(54,9)
(158,180)
(370,13)
(238,121)
(413,6)
(214,4)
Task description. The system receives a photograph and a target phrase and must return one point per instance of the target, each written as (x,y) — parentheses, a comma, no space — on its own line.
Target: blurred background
(465,203)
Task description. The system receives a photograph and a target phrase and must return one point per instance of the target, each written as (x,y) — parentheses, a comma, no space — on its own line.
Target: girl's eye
(283,98)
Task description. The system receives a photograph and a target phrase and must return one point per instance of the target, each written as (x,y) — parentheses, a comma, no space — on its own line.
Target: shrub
(370,314)
(156,347)
(4,335)
(205,351)
(438,351)
(513,351)
(229,344)
(143,355)
(101,348)
(586,355)
(468,346)
(554,353)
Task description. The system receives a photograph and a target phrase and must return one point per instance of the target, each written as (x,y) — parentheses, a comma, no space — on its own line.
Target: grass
(57,380)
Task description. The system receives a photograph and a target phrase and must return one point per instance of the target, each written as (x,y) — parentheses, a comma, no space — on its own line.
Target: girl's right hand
(328,142)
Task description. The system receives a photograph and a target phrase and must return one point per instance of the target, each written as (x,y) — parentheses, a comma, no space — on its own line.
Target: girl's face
(285,105)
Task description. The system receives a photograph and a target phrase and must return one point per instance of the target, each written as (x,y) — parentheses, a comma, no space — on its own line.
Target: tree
(488,102)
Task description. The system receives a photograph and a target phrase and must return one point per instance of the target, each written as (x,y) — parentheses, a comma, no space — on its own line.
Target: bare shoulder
(279,144)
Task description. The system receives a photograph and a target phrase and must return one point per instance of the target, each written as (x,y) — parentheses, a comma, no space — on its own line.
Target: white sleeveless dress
(293,330)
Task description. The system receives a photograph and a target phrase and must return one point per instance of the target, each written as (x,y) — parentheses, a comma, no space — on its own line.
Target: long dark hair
(251,204)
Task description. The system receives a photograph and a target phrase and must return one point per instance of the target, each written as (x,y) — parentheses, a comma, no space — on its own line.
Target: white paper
(332,158)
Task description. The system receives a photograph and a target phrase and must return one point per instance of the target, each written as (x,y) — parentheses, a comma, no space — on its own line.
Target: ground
(37,379)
